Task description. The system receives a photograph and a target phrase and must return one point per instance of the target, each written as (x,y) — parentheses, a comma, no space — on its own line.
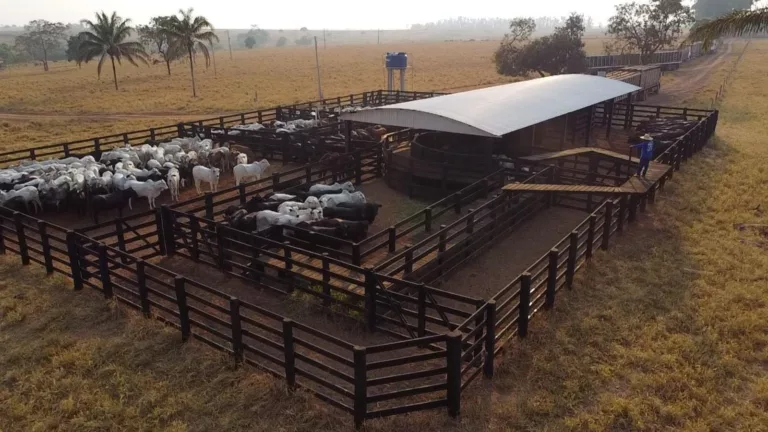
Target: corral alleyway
(504,261)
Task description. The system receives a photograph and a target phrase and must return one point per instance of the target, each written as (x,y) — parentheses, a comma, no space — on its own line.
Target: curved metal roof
(499,110)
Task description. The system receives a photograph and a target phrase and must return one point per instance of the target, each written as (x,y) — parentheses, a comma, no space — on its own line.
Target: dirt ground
(496,267)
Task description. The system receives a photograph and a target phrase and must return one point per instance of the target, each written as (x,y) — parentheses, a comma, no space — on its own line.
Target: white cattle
(148,189)
(28,194)
(334,200)
(209,175)
(174,178)
(320,188)
(281,197)
(256,169)
(242,159)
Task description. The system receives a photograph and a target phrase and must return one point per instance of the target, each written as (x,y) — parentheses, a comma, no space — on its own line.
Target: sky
(314,14)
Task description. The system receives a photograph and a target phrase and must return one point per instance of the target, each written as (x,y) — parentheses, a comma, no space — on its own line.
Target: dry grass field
(667,331)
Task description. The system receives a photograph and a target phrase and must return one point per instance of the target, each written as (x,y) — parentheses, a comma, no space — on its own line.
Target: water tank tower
(396,61)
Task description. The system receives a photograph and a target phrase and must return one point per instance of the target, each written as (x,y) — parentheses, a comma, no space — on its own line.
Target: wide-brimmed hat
(646,137)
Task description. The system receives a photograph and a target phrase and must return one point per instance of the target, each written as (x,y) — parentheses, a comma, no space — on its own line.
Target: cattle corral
(413,344)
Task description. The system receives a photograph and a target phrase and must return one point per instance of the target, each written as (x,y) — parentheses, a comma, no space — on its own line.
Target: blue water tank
(397,60)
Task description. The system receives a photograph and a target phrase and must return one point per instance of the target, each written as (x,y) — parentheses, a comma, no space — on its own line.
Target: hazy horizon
(332,15)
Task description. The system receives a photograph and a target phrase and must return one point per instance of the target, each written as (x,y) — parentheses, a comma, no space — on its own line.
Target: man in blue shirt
(646,154)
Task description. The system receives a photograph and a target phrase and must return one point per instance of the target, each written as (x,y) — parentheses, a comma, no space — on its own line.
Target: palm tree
(736,23)
(191,35)
(107,38)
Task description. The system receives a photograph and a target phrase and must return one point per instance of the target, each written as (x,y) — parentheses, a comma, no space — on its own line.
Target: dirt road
(691,77)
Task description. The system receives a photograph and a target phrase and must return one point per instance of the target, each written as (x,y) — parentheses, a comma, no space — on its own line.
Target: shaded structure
(456,139)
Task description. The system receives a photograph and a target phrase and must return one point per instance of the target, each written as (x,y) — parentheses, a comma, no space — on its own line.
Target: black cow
(7,187)
(115,200)
(308,233)
(353,212)
(348,230)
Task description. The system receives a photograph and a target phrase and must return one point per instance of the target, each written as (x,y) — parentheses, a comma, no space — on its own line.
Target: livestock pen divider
(454,342)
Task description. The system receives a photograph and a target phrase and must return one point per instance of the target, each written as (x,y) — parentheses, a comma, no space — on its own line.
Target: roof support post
(610,119)
(590,119)
(565,132)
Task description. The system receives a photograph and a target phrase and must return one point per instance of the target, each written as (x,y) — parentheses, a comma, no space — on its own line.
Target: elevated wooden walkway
(634,185)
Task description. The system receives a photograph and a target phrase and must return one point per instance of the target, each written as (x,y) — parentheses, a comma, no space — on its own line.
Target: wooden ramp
(635,185)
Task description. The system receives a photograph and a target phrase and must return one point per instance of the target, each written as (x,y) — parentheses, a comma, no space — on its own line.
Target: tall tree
(73,50)
(156,40)
(709,9)
(736,23)
(559,53)
(190,35)
(39,38)
(108,37)
(648,27)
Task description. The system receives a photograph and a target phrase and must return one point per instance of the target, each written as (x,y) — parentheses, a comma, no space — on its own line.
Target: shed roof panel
(499,110)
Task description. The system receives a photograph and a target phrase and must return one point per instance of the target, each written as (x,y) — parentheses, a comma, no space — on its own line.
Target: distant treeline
(499,24)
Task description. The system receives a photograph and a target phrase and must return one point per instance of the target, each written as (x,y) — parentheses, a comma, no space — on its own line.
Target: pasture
(603,324)
(252,79)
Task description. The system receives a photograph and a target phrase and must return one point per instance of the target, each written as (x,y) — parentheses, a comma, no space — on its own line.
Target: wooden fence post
(221,259)
(22,238)
(180,130)
(392,231)
(141,281)
(428,219)
(358,168)
(490,338)
(106,282)
(152,134)
(471,221)
(74,260)
(290,354)
(326,280)
(422,311)
(573,251)
(120,238)
(607,225)
(361,386)
(45,243)
(370,299)
(554,258)
(443,239)
(525,304)
(237,329)
(194,231)
(181,301)
(632,208)
(209,206)
(167,232)
(241,192)
(2,238)
(643,202)
(453,360)
(356,259)
(622,213)
(591,236)
(97,146)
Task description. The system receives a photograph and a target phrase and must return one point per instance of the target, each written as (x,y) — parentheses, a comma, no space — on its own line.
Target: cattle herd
(335,212)
(119,175)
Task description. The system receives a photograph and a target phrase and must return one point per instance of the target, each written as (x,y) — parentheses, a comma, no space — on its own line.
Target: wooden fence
(95,145)
(426,372)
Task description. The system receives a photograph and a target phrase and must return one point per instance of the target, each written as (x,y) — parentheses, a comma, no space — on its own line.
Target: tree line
(635,27)
(109,37)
